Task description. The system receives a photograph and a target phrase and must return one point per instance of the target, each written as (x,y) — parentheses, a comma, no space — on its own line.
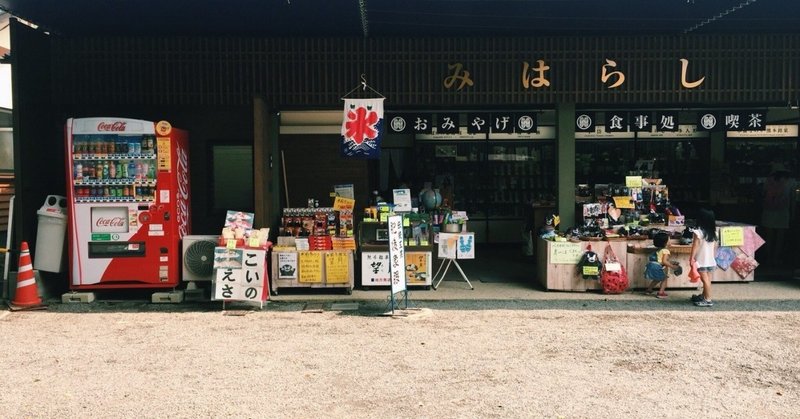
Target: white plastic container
(51,235)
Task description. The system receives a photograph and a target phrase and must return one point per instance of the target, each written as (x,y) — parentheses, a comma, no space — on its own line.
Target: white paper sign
(246,283)
(402,200)
(287,265)
(397,255)
(375,269)
(466,246)
(447,245)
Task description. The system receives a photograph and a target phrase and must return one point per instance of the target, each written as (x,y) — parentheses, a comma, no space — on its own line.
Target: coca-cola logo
(111,126)
(110,222)
(183,192)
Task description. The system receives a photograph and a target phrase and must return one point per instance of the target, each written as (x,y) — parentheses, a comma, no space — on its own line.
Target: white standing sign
(397,255)
(245,283)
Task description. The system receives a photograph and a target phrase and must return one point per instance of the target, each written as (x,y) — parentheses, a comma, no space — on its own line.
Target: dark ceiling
(404,18)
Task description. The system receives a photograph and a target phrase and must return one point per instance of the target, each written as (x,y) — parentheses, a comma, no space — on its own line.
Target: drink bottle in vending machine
(128,202)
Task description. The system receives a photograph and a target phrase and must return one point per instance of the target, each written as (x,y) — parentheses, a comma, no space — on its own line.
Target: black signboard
(478,123)
(447,123)
(584,121)
(641,121)
(398,123)
(422,123)
(525,122)
(503,122)
(666,121)
(616,121)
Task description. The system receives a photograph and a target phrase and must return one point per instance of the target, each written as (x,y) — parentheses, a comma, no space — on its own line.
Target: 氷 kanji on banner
(362,128)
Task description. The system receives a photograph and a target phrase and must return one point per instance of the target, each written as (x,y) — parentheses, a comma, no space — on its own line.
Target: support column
(565,152)
(262,164)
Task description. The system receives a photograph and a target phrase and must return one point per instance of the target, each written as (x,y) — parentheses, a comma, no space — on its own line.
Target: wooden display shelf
(632,254)
(322,281)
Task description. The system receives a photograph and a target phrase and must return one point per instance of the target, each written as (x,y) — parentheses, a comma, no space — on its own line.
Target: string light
(720,16)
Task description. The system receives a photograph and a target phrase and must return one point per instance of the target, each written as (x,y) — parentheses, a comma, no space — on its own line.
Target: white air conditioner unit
(198,257)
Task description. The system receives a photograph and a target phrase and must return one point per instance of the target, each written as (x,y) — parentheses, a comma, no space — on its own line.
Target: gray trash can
(51,235)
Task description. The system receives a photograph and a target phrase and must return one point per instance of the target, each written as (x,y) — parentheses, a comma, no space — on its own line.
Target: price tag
(633,181)
(230,243)
(732,236)
(343,204)
(623,202)
(254,242)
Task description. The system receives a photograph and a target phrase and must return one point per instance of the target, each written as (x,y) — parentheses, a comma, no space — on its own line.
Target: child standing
(703,247)
(658,263)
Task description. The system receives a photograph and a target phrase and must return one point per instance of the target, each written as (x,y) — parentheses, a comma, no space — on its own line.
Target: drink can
(111,146)
(78,172)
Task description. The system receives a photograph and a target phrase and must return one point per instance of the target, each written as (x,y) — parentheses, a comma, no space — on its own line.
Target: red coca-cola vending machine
(128,197)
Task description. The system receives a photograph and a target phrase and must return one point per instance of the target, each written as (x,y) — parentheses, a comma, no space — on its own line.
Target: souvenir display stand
(312,269)
(315,250)
(240,261)
(557,261)
(626,216)
(638,252)
(454,246)
(373,241)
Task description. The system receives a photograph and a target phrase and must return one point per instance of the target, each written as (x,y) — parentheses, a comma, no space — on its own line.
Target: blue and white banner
(362,128)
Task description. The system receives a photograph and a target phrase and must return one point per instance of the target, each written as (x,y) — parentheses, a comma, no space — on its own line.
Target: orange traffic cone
(27,295)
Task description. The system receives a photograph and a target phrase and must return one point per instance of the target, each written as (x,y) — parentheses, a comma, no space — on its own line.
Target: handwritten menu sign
(246,281)
(633,181)
(310,267)
(337,268)
(731,236)
(397,269)
(565,253)
(341,203)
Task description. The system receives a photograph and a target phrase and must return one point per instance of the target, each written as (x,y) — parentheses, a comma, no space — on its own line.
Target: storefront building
(592,108)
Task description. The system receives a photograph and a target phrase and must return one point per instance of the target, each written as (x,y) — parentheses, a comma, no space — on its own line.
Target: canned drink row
(107,170)
(114,144)
(119,192)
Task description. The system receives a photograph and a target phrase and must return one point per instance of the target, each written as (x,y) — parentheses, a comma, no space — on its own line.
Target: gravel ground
(439,361)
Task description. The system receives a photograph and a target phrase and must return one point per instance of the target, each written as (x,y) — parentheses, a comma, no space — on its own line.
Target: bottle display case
(678,161)
(114,168)
(493,181)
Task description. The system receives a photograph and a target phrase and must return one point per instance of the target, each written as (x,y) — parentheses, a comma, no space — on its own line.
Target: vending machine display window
(109,219)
